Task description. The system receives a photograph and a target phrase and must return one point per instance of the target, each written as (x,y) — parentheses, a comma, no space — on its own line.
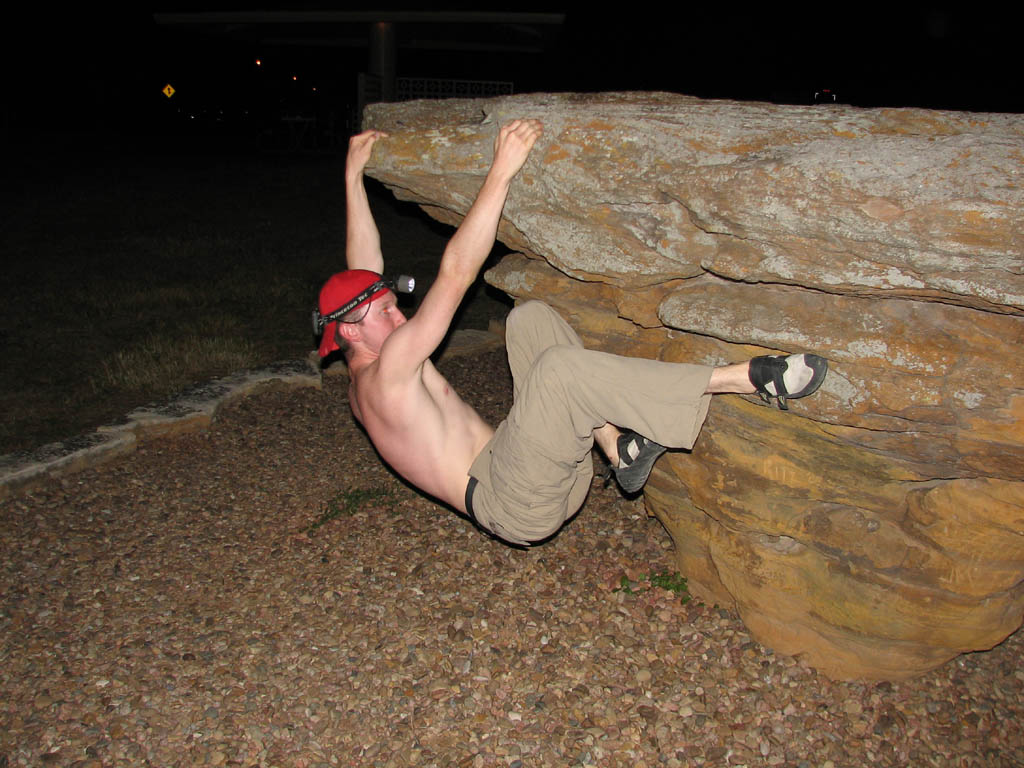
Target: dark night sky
(95,70)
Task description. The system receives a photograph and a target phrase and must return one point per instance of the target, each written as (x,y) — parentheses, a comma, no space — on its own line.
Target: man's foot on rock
(637,455)
(787,377)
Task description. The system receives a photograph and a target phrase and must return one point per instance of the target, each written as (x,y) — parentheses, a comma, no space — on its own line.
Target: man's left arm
(467,250)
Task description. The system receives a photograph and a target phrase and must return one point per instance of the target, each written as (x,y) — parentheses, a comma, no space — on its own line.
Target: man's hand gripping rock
(512,147)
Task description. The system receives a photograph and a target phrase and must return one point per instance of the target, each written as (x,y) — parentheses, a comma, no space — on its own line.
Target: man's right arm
(362,240)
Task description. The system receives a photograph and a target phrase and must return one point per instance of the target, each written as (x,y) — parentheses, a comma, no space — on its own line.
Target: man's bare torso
(418,424)
(421,427)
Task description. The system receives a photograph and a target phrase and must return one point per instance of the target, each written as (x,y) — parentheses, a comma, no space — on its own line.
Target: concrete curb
(191,409)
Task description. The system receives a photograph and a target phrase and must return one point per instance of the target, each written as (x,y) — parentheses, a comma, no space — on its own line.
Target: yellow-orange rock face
(876,529)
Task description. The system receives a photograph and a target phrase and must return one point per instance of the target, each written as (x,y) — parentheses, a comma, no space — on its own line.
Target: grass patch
(165,365)
(673,582)
(348,503)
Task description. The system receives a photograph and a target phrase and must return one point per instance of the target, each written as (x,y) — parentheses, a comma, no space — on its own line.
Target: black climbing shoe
(638,454)
(786,378)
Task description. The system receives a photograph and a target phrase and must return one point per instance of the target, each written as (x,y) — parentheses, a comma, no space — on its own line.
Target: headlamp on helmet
(400,284)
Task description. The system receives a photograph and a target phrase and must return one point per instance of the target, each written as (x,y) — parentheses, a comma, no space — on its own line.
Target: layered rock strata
(876,529)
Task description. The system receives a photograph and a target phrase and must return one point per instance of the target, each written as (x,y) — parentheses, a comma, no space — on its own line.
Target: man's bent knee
(529,312)
(558,366)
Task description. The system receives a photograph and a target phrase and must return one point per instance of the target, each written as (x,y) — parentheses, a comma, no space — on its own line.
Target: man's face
(382,318)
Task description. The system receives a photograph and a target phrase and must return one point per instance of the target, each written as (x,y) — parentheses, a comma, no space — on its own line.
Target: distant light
(295,77)
(259,63)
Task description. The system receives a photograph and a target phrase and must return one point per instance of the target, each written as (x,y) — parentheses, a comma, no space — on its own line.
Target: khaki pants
(535,472)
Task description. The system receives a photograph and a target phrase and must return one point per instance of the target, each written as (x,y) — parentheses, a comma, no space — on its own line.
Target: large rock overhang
(876,529)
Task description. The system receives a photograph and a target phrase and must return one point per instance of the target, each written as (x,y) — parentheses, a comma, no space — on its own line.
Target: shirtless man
(523,482)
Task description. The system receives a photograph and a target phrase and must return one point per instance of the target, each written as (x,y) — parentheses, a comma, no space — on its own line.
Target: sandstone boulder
(877,529)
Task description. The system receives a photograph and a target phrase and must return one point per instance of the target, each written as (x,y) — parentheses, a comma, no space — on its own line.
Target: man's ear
(348,331)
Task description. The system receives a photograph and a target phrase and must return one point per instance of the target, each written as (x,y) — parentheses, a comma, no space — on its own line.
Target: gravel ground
(267,593)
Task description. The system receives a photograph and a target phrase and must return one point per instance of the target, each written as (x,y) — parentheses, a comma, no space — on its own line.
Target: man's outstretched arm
(468,248)
(472,242)
(362,240)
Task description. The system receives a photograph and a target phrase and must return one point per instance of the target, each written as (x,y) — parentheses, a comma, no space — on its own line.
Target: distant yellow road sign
(168,91)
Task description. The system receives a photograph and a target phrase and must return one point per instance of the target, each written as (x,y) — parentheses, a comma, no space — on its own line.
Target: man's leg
(773,377)
(633,455)
(571,392)
(731,379)
(533,327)
(526,491)
(538,468)
(565,396)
